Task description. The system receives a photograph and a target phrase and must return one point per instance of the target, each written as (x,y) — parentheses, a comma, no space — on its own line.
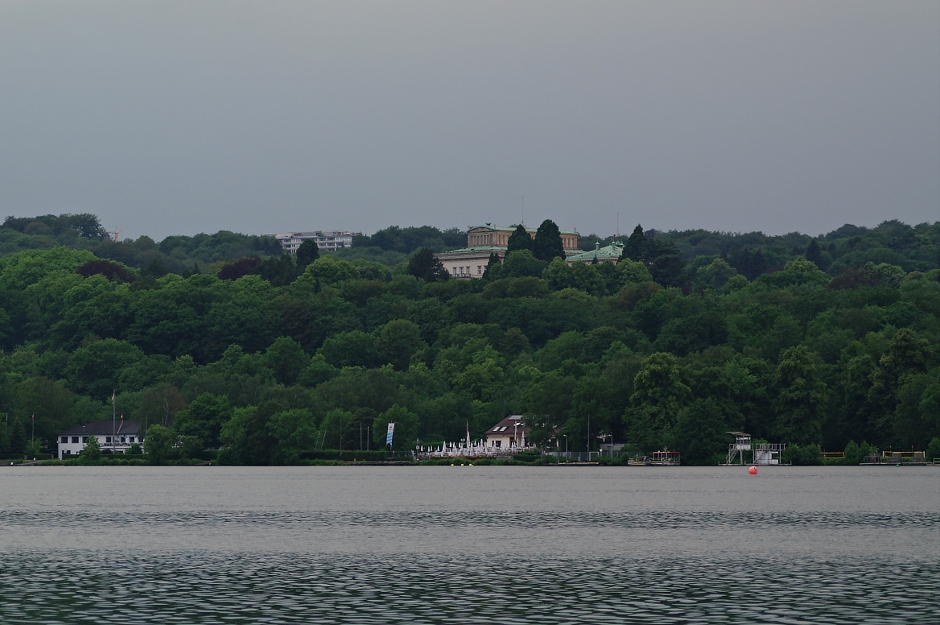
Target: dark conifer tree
(547,245)
(814,253)
(306,254)
(519,240)
(635,247)
(425,265)
(492,267)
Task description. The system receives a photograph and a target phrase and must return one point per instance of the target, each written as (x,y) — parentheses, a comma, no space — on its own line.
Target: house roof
(509,426)
(489,226)
(608,252)
(103,428)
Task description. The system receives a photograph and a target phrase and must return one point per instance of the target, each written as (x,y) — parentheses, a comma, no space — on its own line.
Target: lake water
(462,545)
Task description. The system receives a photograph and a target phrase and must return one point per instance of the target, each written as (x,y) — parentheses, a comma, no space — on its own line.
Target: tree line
(273,359)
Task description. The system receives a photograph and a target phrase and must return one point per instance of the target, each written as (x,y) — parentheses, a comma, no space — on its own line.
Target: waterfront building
(113,437)
(510,433)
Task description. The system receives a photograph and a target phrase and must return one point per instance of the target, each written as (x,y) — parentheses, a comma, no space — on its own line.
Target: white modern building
(326,240)
(113,437)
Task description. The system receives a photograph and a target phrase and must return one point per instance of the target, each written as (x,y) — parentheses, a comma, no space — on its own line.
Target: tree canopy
(277,362)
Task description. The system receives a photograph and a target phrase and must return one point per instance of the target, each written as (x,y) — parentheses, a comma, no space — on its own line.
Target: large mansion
(471,261)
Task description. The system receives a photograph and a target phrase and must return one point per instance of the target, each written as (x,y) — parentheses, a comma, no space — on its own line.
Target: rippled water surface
(469,545)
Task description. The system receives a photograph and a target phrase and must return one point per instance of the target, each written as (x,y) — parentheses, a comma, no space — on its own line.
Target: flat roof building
(326,240)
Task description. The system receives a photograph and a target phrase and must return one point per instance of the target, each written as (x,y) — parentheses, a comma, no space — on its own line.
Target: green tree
(327,270)
(635,247)
(51,403)
(700,433)
(158,443)
(406,428)
(286,358)
(18,438)
(93,369)
(159,405)
(659,395)
(33,448)
(249,438)
(293,432)
(521,264)
(664,262)
(426,266)
(548,244)
(800,396)
(715,275)
(307,252)
(91,453)
(814,253)
(350,349)
(203,418)
(493,266)
(519,240)
(335,427)
(397,341)
(548,405)
(905,359)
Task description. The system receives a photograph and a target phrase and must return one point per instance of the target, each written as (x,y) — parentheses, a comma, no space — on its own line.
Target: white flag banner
(389,434)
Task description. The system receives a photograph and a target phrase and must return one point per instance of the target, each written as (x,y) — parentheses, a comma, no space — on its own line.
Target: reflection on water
(482,545)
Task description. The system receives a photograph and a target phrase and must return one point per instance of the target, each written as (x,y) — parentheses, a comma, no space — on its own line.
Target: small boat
(665,458)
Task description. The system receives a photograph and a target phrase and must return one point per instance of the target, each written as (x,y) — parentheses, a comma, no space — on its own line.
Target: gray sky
(184,117)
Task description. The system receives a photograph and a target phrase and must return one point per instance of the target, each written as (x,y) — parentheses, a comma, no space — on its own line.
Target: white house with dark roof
(510,433)
(113,437)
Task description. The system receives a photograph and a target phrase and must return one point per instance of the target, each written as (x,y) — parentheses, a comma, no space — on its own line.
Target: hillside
(809,352)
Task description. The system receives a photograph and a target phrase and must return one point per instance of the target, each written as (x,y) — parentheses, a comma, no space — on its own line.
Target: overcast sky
(184,117)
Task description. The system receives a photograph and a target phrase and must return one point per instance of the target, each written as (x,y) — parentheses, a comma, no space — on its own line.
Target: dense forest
(218,341)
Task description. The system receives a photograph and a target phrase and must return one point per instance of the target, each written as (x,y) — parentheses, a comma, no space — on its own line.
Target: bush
(808,455)
(933,450)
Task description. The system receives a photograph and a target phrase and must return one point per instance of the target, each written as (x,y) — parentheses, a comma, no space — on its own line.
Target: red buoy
(752,470)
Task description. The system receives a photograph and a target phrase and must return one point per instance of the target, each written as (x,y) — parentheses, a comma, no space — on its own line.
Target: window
(130,439)
(479,269)
(64,439)
(107,439)
(123,439)
(74,439)
(84,439)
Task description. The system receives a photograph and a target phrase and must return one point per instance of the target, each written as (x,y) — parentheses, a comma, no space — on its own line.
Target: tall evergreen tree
(425,265)
(814,253)
(547,244)
(492,267)
(519,240)
(635,247)
(306,254)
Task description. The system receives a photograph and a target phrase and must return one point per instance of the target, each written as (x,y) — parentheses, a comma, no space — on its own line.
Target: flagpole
(113,424)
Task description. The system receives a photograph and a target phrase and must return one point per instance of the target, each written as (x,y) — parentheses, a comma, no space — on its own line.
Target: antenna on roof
(618,224)
(523,210)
